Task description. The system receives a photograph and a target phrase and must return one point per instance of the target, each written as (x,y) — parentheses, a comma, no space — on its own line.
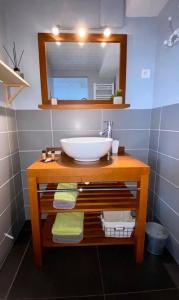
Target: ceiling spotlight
(58,43)
(107,32)
(103,44)
(82,32)
(81,44)
(56,30)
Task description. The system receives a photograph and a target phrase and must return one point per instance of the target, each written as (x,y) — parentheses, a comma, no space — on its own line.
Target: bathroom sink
(86,148)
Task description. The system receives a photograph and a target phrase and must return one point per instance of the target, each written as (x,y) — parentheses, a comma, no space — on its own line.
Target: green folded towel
(67,185)
(66,196)
(70,223)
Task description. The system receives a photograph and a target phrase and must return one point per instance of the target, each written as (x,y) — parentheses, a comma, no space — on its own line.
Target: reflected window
(69,88)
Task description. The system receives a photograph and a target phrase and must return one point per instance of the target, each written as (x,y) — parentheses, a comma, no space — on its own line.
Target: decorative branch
(14,54)
(13,58)
(8,55)
(20,58)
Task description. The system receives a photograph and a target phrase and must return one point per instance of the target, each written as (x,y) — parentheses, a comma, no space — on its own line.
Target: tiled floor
(108,273)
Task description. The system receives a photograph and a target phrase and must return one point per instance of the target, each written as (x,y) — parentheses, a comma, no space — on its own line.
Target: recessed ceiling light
(55,30)
(107,32)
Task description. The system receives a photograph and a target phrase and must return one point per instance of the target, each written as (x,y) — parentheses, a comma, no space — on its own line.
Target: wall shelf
(84,106)
(9,79)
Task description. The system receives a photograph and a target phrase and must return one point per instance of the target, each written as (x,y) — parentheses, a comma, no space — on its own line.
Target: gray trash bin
(156,238)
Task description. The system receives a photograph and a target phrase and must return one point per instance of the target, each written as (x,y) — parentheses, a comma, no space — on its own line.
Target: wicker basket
(122,230)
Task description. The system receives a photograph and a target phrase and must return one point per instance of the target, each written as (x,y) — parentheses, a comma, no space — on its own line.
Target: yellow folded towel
(70,223)
(67,185)
(66,196)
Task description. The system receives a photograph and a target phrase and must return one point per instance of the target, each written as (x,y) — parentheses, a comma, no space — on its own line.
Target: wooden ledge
(84,106)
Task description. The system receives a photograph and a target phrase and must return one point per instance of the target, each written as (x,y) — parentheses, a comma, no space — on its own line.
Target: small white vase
(117,100)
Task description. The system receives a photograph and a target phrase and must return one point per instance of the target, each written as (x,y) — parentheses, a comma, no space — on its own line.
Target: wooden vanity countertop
(65,169)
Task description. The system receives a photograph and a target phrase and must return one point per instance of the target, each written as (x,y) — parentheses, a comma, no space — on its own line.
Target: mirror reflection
(82,71)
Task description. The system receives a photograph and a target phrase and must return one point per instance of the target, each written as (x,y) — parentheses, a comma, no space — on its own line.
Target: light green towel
(67,185)
(66,196)
(70,223)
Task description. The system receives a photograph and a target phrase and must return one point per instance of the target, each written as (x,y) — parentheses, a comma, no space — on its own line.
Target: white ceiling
(144,8)
(70,57)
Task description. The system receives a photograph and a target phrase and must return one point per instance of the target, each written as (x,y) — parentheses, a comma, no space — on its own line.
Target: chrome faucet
(108,130)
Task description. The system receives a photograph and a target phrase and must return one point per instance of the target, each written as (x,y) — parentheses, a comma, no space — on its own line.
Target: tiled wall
(39,129)
(11,196)
(164,161)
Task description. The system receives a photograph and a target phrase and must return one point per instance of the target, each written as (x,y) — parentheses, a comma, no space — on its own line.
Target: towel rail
(131,189)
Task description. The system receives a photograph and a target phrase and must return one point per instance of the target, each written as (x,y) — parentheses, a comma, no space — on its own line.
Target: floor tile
(93,297)
(12,262)
(173,269)
(66,272)
(122,274)
(27,225)
(157,295)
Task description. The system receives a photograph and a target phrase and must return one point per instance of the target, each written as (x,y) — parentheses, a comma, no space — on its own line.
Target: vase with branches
(14,59)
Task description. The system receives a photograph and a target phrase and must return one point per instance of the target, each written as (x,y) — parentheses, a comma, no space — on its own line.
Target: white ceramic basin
(86,148)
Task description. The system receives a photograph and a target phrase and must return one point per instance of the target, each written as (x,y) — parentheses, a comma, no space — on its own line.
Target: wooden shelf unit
(10,79)
(110,174)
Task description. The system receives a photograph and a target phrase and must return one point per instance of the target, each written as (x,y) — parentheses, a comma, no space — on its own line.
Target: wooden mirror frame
(73,37)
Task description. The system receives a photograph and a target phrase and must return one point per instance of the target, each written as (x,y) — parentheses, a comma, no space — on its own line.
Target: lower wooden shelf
(93,233)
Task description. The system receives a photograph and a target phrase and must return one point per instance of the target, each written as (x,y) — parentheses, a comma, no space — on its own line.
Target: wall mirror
(82,72)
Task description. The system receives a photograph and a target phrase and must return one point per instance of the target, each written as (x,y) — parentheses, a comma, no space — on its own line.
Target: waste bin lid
(156,230)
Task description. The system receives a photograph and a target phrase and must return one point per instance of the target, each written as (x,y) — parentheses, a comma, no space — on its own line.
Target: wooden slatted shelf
(93,201)
(93,234)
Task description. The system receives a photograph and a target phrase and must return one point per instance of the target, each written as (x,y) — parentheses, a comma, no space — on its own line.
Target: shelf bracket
(9,97)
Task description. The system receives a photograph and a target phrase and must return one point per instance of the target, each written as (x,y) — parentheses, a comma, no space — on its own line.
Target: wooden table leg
(141,219)
(35,221)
